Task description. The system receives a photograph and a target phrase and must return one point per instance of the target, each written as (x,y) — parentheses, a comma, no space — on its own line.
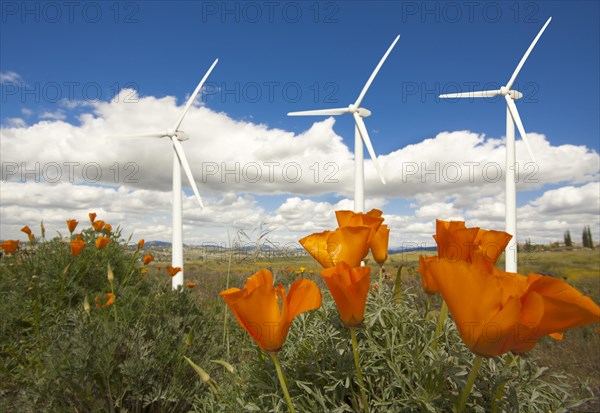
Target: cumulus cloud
(231,155)
(147,213)
(56,170)
(570,199)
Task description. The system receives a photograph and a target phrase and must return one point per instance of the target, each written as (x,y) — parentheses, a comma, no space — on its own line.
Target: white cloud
(16,122)
(229,155)
(10,77)
(439,209)
(147,214)
(571,199)
(57,115)
(451,176)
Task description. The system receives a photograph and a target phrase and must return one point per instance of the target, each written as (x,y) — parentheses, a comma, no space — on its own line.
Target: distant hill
(268,247)
(411,249)
(157,244)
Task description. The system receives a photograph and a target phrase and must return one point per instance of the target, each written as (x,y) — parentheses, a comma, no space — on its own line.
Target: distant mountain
(267,247)
(157,244)
(411,249)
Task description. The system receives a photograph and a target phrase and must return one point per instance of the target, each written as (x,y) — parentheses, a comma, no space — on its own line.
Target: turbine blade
(139,135)
(186,167)
(365,137)
(191,99)
(478,94)
(368,84)
(320,112)
(517,119)
(526,55)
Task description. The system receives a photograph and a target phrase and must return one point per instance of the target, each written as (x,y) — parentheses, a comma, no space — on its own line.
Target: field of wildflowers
(91,324)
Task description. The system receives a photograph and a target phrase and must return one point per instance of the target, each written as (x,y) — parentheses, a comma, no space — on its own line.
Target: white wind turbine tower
(512,118)
(179,161)
(360,135)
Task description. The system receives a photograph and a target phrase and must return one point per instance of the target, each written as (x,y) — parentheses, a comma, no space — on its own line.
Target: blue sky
(323,51)
(164,49)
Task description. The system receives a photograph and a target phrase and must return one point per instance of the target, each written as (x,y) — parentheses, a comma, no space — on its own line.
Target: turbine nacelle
(515,94)
(362,112)
(179,135)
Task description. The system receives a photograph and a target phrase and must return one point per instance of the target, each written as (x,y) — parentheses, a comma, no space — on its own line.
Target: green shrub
(129,356)
(402,373)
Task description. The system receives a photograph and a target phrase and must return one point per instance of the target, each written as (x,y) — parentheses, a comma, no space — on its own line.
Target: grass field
(577,354)
(57,355)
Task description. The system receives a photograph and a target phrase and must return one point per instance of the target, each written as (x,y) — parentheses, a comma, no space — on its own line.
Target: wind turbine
(360,134)
(179,161)
(512,118)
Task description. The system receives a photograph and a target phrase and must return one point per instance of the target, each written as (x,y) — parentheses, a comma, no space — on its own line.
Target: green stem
(469,385)
(497,396)
(226,318)
(440,324)
(380,277)
(282,381)
(500,390)
(398,286)
(114,305)
(361,383)
(131,267)
(128,277)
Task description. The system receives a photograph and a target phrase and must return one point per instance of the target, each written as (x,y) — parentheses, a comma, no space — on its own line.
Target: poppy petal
(304,295)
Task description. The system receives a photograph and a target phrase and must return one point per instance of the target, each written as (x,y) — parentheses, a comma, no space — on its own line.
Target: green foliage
(568,240)
(586,238)
(401,371)
(57,357)
(131,356)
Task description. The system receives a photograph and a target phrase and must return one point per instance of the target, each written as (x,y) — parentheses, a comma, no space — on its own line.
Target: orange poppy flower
(10,246)
(78,237)
(190,285)
(349,244)
(371,219)
(173,270)
(497,312)
(72,224)
(26,230)
(266,312)
(92,216)
(489,246)
(456,242)
(148,258)
(107,228)
(141,244)
(77,246)
(349,288)
(31,238)
(98,225)
(101,242)
(111,299)
(379,244)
